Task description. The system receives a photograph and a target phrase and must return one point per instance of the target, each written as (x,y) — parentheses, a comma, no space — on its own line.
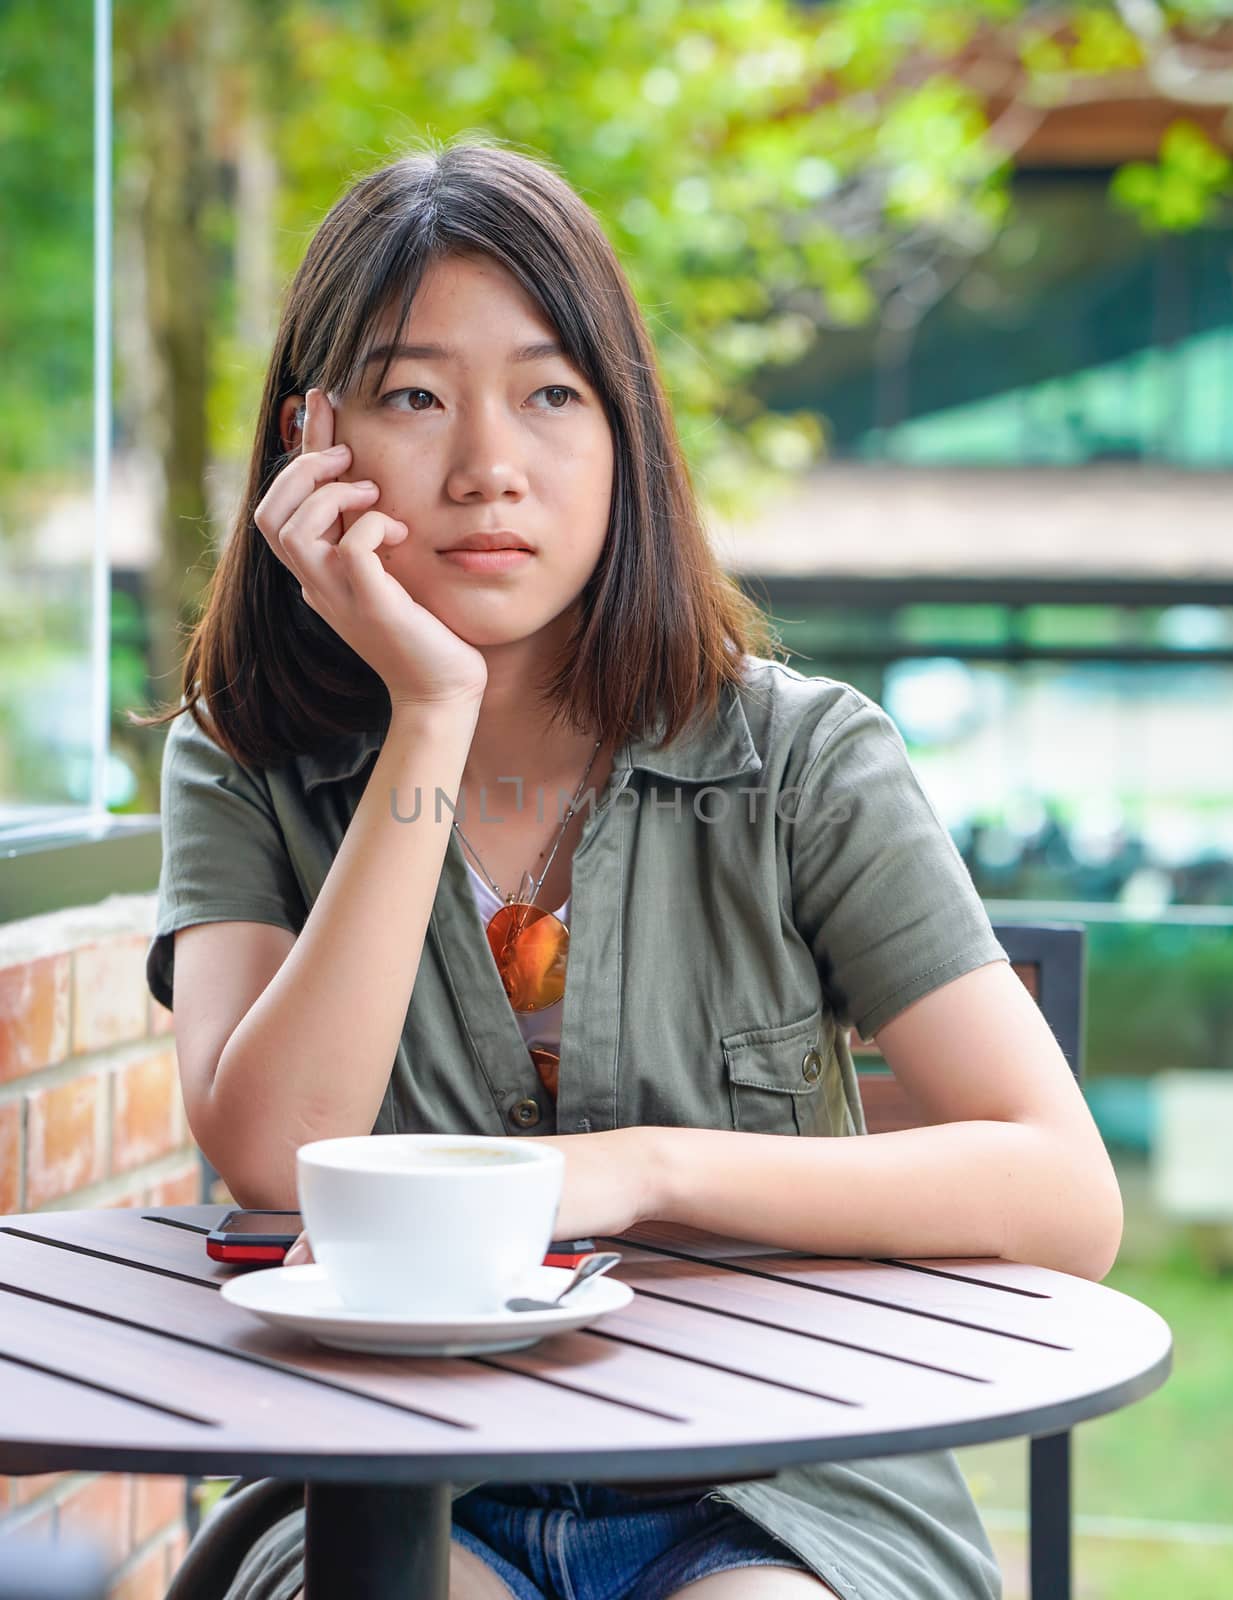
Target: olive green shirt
(740,899)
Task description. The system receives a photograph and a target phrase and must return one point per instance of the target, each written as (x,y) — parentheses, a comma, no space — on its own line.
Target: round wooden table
(119,1354)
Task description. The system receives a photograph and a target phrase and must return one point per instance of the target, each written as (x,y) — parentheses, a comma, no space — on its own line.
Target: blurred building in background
(1020,544)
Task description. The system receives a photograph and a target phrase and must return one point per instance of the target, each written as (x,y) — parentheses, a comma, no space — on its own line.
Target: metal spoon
(590,1268)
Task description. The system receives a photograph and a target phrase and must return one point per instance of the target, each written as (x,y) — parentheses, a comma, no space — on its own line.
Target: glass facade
(55,768)
(1077,337)
(1078,787)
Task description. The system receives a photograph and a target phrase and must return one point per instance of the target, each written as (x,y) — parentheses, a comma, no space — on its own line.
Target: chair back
(1048,958)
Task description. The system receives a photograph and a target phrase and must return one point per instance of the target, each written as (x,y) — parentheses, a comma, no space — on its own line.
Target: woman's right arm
(311,1057)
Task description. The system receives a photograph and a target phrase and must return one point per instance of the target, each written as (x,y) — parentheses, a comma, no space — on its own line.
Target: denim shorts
(584,1541)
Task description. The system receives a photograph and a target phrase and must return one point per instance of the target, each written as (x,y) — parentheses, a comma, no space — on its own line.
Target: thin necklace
(522,896)
(531,947)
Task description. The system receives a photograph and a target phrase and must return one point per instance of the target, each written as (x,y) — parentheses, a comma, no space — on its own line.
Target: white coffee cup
(430,1224)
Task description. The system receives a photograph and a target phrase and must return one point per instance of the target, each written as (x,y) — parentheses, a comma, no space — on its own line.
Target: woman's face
(478,440)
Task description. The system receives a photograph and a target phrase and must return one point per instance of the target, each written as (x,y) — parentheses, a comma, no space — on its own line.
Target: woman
(748,867)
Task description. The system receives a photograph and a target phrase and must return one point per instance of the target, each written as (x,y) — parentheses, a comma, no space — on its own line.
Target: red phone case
(223,1250)
(567,1258)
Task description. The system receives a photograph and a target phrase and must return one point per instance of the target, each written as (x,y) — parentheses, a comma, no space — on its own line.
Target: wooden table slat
(582,1365)
(123,1233)
(958,1297)
(773,1303)
(728,1346)
(580,1369)
(829,1371)
(191,1374)
(963,1302)
(45,1421)
(1011,1277)
(491,1399)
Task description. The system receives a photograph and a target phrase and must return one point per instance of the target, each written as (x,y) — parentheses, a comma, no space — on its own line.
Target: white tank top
(537,1027)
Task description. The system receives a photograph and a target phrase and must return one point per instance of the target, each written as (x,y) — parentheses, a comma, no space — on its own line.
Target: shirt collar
(704,752)
(721,748)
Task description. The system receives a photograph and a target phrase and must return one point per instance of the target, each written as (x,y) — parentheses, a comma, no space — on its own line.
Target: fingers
(350,573)
(318,422)
(300,1252)
(316,519)
(301,517)
(293,486)
(305,543)
(356,556)
(338,576)
(295,483)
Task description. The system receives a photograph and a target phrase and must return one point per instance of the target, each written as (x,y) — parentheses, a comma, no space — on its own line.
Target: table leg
(376,1541)
(1049,1502)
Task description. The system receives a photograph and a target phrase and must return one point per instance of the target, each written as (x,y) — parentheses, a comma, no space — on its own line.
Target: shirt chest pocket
(785,1079)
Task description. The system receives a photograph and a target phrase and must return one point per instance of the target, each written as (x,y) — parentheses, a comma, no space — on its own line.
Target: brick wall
(91,1115)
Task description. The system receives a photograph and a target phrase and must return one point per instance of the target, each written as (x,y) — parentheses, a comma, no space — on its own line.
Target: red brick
(109,993)
(63,1150)
(34,1015)
(23,1490)
(10,1159)
(144,1579)
(100,1511)
(158,1019)
(157,1503)
(145,1111)
(181,1189)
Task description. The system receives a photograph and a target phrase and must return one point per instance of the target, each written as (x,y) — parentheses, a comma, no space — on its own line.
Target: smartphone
(264,1237)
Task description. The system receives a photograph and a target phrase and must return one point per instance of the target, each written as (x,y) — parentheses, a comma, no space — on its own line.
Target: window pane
(1076,337)
(46,480)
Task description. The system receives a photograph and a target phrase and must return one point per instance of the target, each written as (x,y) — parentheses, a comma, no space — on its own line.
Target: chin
(481,633)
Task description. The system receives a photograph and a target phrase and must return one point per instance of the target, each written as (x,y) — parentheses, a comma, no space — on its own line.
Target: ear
(291,423)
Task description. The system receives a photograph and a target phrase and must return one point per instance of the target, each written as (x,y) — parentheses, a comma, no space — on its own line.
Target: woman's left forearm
(1008,1189)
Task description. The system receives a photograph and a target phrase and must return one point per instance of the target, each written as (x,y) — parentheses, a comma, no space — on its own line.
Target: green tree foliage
(1184,189)
(765,170)
(46,240)
(757,165)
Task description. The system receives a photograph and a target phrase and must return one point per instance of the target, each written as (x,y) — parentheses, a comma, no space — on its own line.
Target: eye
(396,394)
(549,388)
(559,388)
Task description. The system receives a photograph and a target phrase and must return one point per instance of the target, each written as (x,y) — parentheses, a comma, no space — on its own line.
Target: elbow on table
(268,1184)
(1110,1237)
(255,1181)
(1103,1212)
(1087,1236)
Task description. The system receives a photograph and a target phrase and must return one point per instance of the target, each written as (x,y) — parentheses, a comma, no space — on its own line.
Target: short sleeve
(223,853)
(879,891)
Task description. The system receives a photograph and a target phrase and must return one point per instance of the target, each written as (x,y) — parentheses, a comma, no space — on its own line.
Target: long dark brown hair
(661,627)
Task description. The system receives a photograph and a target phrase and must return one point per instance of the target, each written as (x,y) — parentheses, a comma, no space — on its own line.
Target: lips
(500,539)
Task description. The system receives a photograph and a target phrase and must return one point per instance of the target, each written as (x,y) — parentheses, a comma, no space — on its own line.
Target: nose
(486,461)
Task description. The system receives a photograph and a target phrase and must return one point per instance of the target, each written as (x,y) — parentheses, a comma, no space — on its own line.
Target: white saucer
(300,1298)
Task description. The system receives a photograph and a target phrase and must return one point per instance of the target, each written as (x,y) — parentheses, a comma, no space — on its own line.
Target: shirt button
(811,1066)
(526,1113)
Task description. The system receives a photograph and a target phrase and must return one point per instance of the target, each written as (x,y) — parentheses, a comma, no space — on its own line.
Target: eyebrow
(430,352)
